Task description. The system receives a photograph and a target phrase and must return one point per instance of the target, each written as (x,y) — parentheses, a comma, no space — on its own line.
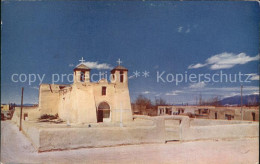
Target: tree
(160,101)
(144,105)
(143,101)
(200,100)
(214,101)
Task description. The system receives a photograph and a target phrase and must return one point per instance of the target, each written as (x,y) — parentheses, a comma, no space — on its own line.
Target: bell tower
(119,74)
(122,103)
(81,73)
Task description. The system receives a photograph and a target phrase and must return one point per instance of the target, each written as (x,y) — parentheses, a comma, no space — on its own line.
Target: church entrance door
(103,112)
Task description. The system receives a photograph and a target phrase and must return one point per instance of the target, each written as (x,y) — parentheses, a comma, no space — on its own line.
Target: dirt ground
(16,148)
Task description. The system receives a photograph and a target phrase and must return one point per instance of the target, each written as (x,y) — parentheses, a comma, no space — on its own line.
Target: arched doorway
(103,114)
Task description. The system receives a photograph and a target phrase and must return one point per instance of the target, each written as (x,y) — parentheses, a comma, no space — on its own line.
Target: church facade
(88,102)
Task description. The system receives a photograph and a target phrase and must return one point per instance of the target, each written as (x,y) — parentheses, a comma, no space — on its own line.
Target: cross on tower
(119,61)
(102,75)
(82,60)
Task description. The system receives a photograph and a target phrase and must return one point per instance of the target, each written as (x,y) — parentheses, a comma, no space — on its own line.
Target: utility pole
(21,112)
(241,102)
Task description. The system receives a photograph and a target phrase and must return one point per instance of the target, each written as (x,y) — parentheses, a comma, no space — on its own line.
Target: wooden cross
(119,62)
(82,60)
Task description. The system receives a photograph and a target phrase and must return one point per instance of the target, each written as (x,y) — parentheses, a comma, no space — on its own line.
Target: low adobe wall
(33,113)
(32,132)
(57,139)
(213,122)
(143,129)
(230,131)
(201,129)
(60,137)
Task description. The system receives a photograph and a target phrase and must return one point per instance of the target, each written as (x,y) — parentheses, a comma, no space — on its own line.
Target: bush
(49,116)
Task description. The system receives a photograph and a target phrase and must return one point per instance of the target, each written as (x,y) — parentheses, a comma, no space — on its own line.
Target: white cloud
(229,60)
(180,29)
(173,93)
(196,66)
(37,88)
(225,60)
(96,65)
(131,77)
(254,76)
(198,85)
(146,92)
(187,94)
(231,94)
(222,91)
(255,93)
(186,29)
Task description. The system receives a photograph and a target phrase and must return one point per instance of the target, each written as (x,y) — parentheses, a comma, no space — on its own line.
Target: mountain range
(236,100)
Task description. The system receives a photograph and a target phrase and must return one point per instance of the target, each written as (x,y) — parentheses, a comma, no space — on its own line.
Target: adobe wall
(143,129)
(222,112)
(33,114)
(122,101)
(108,98)
(60,137)
(221,132)
(32,133)
(48,98)
(118,98)
(65,105)
(213,122)
(85,106)
(79,102)
(200,129)
(235,111)
(248,115)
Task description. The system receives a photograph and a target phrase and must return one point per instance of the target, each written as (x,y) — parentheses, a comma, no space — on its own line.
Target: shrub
(49,116)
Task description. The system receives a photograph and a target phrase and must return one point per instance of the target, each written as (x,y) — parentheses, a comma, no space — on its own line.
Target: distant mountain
(236,100)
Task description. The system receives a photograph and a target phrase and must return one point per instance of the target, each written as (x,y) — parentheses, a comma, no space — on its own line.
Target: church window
(82,76)
(104,91)
(121,76)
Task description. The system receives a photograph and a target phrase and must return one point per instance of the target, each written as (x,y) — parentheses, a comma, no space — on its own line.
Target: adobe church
(88,102)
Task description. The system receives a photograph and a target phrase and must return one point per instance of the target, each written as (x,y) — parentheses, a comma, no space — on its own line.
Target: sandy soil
(15,148)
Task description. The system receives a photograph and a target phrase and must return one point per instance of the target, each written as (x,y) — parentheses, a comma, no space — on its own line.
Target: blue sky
(46,37)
